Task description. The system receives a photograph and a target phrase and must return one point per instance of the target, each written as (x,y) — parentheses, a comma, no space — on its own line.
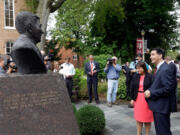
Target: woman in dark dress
(140,82)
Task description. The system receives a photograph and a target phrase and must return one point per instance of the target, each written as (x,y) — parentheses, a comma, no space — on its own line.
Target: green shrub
(80,83)
(74,108)
(91,120)
(102,88)
(121,94)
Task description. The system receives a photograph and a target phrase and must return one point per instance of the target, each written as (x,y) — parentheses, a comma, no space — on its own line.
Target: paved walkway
(120,120)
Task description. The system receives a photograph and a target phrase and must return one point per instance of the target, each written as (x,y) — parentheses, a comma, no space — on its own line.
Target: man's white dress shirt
(67,69)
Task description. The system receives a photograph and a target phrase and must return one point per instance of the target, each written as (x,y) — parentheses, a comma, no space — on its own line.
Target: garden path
(120,120)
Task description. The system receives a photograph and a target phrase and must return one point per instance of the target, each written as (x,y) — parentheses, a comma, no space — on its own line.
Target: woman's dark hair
(159,51)
(143,65)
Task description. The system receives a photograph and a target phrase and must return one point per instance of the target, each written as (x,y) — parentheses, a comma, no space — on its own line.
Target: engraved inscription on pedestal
(21,101)
(36,105)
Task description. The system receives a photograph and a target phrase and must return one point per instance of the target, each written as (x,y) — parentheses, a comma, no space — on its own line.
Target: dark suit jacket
(88,68)
(173,72)
(135,84)
(127,74)
(161,91)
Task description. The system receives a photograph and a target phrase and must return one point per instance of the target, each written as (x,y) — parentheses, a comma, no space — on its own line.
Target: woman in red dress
(140,82)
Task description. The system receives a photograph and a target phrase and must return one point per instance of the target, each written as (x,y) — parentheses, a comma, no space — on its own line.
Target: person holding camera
(68,71)
(113,73)
(11,68)
(127,72)
(139,58)
(92,69)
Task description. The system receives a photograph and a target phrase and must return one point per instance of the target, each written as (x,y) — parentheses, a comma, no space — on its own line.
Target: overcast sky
(51,24)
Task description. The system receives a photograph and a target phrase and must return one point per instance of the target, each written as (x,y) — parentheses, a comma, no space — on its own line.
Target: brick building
(63,53)
(8,33)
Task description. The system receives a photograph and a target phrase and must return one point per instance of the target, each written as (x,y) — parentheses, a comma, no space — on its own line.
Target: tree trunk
(43,12)
(44,9)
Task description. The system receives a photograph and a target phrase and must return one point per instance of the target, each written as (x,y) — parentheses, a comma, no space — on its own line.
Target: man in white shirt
(67,70)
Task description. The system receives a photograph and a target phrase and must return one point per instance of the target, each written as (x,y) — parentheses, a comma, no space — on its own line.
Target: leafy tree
(107,15)
(172,54)
(119,28)
(43,8)
(32,5)
(72,27)
(52,48)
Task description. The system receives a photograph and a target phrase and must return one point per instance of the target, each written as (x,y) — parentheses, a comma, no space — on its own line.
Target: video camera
(110,60)
(13,67)
(123,67)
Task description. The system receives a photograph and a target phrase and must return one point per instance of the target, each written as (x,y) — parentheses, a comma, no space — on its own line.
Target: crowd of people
(7,66)
(153,92)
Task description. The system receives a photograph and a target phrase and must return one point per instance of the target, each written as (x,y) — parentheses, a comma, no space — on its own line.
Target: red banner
(139,46)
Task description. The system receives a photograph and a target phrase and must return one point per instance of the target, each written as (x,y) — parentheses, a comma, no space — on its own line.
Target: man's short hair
(91,55)
(24,20)
(114,58)
(67,58)
(168,58)
(159,51)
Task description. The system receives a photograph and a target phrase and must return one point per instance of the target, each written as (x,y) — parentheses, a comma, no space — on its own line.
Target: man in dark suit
(92,69)
(160,95)
(173,72)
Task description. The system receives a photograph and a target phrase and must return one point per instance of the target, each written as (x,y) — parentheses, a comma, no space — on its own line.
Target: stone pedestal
(36,105)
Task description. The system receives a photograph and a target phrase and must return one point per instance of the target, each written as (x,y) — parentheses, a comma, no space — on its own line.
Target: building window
(74,57)
(9,13)
(9,46)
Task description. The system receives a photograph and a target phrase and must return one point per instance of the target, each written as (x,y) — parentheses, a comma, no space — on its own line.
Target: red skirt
(142,113)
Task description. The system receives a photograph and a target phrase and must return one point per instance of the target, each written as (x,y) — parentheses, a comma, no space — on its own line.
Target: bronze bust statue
(25,53)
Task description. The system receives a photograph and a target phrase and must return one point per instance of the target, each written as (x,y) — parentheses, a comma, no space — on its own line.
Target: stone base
(36,105)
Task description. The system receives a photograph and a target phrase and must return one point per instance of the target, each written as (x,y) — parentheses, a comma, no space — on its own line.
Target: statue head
(28,23)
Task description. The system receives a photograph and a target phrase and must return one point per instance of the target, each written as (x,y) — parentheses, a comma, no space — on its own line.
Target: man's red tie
(155,70)
(92,68)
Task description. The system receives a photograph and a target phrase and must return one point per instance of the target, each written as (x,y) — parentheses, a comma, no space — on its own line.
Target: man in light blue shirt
(139,58)
(113,73)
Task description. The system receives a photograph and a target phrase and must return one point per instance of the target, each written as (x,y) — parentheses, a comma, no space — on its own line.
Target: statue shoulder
(23,43)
